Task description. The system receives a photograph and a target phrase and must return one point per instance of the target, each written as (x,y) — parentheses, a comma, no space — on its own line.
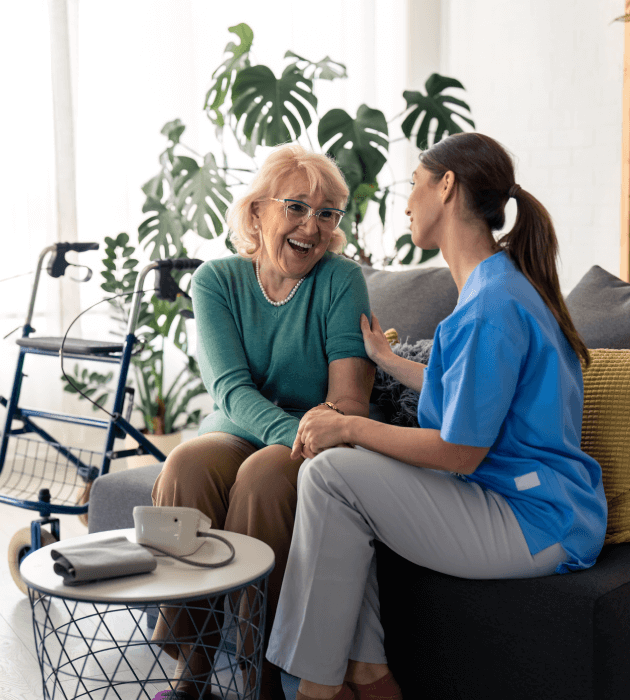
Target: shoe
(384,688)
(344,694)
(181,695)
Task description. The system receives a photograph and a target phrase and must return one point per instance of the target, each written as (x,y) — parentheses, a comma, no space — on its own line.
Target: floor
(20,677)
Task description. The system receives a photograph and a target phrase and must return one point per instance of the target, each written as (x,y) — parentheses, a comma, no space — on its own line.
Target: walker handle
(58,263)
(80,247)
(179,264)
(165,285)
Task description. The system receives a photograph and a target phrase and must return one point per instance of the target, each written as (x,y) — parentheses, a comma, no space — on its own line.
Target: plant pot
(165,443)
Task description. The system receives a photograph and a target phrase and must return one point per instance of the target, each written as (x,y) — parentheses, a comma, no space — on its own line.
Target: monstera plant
(192,193)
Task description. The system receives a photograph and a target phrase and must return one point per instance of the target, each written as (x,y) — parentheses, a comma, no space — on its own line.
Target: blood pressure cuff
(101,559)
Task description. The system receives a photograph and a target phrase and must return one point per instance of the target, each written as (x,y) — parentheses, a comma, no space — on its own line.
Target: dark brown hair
(486,172)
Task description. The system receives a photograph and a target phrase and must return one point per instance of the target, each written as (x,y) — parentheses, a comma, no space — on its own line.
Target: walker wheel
(19,547)
(84,497)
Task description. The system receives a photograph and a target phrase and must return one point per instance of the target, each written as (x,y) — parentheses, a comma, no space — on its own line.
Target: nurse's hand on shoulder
(376,344)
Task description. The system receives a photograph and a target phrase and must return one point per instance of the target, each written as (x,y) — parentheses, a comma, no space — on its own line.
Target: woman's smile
(299,246)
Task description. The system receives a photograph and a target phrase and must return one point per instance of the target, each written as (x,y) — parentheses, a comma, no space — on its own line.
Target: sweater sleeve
(224,368)
(349,299)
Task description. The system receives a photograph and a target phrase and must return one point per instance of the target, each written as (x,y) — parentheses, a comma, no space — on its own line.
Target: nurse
(493,484)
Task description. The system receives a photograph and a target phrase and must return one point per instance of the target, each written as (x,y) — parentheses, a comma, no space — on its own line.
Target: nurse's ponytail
(486,172)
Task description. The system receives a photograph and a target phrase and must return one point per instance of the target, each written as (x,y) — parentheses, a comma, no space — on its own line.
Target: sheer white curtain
(120,71)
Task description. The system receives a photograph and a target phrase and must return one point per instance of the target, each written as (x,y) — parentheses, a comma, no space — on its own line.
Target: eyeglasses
(298,212)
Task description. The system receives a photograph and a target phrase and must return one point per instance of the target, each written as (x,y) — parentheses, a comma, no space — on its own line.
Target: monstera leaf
(173,130)
(356,144)
(382,205)
(266,102)
(326,69)
(434,106)
(362,196)
(161,229)
(225,74)
(202,195)
(351,167)
(165,314)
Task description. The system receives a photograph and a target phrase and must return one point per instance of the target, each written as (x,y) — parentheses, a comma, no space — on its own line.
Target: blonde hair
(279,167)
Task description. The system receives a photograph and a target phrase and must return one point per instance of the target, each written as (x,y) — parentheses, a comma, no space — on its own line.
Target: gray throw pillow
(398,403)
(599,305)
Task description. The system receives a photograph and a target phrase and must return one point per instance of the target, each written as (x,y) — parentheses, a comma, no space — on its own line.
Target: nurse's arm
(420,447)
(406,372)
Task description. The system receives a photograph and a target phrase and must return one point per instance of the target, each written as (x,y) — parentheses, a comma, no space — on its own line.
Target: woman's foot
(363,672)
(344,694)
(385,688)
(192,678)
(372,681)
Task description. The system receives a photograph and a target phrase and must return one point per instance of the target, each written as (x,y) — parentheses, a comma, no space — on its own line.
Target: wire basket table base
(104,650)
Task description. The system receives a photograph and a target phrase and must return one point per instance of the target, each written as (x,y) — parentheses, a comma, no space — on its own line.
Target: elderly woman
(278,338)
(493,483)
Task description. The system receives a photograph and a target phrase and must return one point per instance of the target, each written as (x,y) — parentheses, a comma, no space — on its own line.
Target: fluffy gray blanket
(399,403)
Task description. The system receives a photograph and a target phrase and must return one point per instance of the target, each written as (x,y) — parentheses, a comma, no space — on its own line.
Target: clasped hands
(321,427)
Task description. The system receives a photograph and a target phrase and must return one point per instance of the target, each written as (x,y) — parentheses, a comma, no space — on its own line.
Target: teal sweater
(266,366)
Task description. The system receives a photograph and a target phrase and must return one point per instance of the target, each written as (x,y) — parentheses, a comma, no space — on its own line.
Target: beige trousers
(241,489)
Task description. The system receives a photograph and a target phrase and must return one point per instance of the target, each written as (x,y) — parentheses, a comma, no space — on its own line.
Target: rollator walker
(40,474)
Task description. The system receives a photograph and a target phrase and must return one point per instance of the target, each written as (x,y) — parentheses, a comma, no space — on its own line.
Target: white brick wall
(545,79)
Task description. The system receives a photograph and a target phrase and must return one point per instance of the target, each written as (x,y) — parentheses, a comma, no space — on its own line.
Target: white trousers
(329,607)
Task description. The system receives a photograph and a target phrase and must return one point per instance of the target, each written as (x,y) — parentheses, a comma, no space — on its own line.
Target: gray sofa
(561,636)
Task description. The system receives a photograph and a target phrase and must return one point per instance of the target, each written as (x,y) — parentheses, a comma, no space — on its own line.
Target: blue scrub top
(502,373)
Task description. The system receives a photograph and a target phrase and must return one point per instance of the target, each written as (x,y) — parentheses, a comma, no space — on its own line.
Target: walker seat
(71,346)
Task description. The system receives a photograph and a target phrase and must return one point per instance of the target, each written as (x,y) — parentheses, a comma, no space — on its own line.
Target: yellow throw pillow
(606,433)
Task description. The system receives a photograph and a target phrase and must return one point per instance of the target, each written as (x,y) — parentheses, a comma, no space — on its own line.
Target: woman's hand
(376,344)
(319,429)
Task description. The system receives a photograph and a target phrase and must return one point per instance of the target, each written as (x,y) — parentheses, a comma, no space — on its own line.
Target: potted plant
(164,407)
(252,106)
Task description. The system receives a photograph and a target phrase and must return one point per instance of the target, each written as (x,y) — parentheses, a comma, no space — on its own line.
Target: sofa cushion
(430,295)
(598,290)
(606,433)
(413,301)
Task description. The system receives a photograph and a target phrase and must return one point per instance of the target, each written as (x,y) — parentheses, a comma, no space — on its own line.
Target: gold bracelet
(330,404)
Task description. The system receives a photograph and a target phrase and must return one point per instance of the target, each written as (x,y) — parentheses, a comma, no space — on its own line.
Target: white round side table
(89,638)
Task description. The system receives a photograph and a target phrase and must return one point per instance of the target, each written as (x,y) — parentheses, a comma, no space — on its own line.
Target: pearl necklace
(276,303)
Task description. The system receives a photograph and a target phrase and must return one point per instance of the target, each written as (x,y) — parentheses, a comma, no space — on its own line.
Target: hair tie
(513,190)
